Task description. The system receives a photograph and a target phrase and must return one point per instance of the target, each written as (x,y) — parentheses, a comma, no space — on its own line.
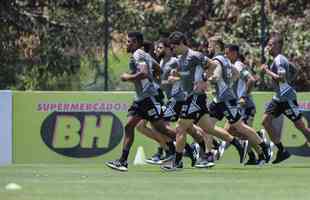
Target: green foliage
(57,45)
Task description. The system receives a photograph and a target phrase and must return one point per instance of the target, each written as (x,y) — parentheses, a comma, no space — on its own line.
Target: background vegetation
(58,45)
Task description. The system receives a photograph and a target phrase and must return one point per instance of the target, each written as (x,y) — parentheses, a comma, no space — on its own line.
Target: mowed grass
(225,181)
(228,180)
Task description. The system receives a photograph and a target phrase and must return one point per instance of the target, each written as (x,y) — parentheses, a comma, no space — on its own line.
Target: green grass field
(227,180)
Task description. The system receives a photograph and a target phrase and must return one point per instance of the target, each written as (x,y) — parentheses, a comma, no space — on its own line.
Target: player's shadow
(303,150)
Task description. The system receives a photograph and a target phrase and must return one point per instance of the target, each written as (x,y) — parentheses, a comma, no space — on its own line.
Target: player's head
(216,45)
(203,46)
(275,44)
(232,52)
(149,47)
(163,48)
(178,42)
(134,41)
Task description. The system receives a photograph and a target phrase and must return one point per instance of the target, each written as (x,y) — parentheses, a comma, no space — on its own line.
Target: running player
(243,87)
(145,105)
(285,100)
(225,102)
(192,65)
(170,84)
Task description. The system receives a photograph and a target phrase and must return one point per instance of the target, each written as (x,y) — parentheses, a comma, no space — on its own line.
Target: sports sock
(171,147)
(160,150)
(280,146)
(263,145)
(189,150)
(124,156)
(215,143)
(202,146)
(178,157)
(235,142)
(252,155)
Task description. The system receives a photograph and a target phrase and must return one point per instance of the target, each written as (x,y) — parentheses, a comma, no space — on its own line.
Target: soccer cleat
(281,156)
(118,165)
(252,158)
(205,161)
(154,160)
(261,162)
(252,161)
(172,166)
(168,157)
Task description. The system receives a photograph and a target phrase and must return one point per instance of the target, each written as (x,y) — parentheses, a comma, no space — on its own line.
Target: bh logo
(82,134)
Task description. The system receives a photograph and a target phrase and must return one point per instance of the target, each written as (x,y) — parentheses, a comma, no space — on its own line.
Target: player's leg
(121,164)
(205,158)
(152,111)
(301,126)
(293,113)
(168,132)
(161,139)
(233,115)
(181,130)
(208,125)
(152,133)
(198,136)
(274,110)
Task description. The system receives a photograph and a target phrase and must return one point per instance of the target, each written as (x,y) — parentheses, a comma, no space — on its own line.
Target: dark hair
(219,42)
(177,37)
(148,46)
(233,47)
(138,36)
(165,42)
(277,37)
(242,58)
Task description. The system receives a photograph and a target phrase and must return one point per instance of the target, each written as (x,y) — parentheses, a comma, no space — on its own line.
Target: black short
(160,97)
(148,109)
(247,113)
(172,110)
(288,108)
(194,107)
(228,109)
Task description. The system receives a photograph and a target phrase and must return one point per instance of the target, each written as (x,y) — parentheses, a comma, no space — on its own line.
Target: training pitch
(232,181)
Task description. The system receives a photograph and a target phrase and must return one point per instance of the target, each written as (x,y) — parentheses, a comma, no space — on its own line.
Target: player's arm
(277,77)
(156,69)
(142,73)
(249,78)
(173,77)
(216,72)
(250,83)
(235,74)
(210,65)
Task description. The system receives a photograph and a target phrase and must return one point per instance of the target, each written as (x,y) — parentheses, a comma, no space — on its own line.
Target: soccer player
(285,100)
(145,105)
(192,67)
(243,87)
(170,84)
(225,102)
